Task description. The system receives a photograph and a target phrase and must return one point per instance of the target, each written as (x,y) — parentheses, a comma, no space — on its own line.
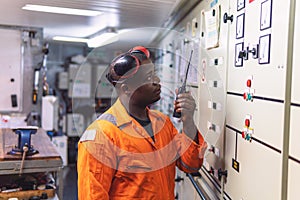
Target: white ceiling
(122,14)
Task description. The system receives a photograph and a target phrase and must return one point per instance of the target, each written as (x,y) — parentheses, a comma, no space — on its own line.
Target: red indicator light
(243,134)
(247,122)
(248,83)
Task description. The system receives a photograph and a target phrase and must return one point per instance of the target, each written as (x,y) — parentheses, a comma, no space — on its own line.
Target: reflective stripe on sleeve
(188,167)
(108,117)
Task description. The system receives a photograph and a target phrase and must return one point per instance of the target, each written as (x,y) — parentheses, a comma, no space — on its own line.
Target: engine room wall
(240,90)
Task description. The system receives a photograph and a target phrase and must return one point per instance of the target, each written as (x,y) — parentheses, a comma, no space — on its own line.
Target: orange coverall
(117,159)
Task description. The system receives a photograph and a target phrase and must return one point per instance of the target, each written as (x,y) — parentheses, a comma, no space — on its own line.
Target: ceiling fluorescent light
(61,10)
(70,39)
(103,39)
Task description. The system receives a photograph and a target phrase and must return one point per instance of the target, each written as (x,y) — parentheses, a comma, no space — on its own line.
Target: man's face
(144,85)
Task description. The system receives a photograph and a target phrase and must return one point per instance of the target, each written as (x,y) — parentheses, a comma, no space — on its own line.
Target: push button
(248,83)
(247,122)
(243,134)
(249,96)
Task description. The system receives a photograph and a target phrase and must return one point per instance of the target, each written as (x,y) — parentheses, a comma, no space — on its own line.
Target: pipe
(196,187)
(287,102)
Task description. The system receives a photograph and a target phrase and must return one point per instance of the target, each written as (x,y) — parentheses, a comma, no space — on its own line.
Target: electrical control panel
(11,76)
(242,62)
(256,87)
(258,53)
(205,33)
(80,80)
(104,88)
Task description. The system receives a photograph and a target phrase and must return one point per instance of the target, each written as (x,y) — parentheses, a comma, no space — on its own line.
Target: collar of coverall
(124,117)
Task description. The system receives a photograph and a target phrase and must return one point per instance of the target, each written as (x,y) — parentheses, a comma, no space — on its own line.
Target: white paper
(211,28)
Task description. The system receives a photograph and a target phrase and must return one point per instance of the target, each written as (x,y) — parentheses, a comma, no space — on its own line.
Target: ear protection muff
(127,62)
(140,49)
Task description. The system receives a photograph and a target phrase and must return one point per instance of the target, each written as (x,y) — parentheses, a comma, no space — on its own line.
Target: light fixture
(70,39)
(103,39)
(106,36)
(61,10)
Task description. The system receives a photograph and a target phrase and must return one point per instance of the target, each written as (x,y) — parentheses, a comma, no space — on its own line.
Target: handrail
(196,187)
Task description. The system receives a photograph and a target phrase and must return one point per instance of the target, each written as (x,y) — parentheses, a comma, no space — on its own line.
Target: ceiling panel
(122,14)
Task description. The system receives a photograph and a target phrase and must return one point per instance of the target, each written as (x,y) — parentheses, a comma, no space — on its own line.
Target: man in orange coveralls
(130,151)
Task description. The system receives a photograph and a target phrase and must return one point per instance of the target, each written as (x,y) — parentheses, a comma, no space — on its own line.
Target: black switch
(14,102)
(215,83)
(213,127)
(216,61)
(214,105)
